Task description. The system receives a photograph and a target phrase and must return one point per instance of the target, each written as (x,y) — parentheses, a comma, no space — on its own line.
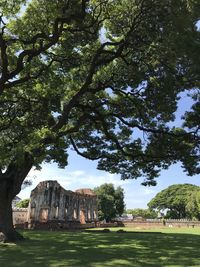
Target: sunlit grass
(157,247)
(185,230)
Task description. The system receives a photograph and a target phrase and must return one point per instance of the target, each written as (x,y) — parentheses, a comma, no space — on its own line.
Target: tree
(144,213)
(110,201)
(174,199)
(193,205)
(83,74)
(23,203)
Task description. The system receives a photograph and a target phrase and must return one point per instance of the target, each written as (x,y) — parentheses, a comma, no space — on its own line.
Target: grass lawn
(158,247)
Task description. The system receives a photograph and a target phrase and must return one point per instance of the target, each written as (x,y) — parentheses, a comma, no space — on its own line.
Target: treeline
(144,213)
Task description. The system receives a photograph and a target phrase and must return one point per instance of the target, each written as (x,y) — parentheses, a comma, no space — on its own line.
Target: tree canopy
(110,201)
(102,78)
(64,79)
(175,199)
(193,205)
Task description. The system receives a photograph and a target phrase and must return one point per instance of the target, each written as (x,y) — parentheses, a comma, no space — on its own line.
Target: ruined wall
(50,203)
(19,216)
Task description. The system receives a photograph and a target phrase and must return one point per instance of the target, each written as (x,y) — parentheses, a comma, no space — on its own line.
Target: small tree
(110,201)
(23,203)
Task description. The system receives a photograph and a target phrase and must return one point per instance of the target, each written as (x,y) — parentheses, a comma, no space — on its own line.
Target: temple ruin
(52,206)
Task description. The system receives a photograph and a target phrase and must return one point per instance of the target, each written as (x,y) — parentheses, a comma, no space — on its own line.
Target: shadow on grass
(49,249)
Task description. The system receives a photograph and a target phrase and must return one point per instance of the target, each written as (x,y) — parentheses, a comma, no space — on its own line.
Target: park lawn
(158,247)
(164,230)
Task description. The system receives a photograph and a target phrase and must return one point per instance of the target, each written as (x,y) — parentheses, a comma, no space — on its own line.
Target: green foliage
(193,205)
(144,213)
(175,199)
(23,203)
(111,98)
(110,201)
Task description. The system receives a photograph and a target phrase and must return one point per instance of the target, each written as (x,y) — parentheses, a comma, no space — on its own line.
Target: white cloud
(82,173)
(71,180)
(135,194)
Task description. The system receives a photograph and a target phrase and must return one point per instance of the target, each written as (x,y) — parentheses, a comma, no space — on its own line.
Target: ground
(157,247)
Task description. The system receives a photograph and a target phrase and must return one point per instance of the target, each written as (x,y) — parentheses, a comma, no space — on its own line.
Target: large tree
(174,200)
(101,77)
(110,201)
(193,205)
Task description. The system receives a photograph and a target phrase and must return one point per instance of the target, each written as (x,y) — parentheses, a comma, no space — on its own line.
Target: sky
(82,173)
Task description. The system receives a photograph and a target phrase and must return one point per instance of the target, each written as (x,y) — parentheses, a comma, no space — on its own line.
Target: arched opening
(56,212)
(75,214)
(89,215)
(43,216)
(95,215)
(82,216)
(32,213)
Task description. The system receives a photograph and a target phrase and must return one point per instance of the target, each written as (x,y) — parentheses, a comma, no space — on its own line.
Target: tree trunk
(10,186)
(7,231)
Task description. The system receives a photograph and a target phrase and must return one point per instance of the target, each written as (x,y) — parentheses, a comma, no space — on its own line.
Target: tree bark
(10,186)
(7,231)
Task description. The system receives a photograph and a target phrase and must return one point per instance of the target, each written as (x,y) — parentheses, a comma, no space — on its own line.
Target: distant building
(51,205)
(125,217)
(15,201)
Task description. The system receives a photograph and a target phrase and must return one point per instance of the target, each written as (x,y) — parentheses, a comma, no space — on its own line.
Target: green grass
(156,247)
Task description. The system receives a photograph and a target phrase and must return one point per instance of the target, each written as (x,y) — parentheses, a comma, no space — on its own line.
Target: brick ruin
(19,216)
(51,206)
